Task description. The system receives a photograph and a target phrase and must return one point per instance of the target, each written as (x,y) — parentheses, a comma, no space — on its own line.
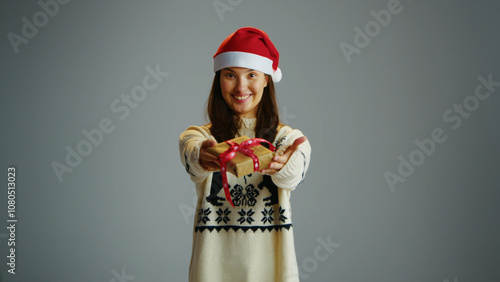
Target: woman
(252,241)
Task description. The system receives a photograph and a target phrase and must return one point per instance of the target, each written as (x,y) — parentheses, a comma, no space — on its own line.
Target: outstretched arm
(207,160)
(192,146)
(288,169)
(279,162)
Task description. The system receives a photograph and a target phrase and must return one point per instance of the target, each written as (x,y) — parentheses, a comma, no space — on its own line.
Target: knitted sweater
(254,240)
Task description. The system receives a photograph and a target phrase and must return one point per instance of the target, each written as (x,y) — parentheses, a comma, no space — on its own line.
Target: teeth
(241,97)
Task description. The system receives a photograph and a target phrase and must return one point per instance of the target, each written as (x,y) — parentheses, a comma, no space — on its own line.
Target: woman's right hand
(208,161)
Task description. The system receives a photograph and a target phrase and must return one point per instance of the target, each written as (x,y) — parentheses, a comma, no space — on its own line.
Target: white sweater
(253,241)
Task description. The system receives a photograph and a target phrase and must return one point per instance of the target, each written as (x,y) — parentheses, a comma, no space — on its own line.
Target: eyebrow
(249,70)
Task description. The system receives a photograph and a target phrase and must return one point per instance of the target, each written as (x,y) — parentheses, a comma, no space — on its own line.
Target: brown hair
(225,125)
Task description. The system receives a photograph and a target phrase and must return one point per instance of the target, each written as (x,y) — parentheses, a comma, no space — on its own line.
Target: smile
(242,98)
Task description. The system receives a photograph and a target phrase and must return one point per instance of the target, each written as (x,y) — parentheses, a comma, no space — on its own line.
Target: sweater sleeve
(189,147)
(293,172)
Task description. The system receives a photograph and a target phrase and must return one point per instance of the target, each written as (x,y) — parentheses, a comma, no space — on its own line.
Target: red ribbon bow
(230,153)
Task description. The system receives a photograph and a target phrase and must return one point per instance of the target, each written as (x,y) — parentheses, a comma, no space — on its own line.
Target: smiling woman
(252,240)
(242,90)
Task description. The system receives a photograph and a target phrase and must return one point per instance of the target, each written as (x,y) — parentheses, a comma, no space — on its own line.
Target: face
(242,90)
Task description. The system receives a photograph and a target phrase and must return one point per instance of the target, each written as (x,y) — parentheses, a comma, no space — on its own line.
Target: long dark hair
(225,125)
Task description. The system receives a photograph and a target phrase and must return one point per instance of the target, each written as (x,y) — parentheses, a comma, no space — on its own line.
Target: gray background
(127,208)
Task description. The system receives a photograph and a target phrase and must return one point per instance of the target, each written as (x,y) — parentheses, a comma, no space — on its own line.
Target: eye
(229,75)
(252,74)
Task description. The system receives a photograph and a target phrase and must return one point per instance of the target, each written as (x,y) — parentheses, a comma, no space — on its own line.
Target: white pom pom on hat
(277,75)
(251,48)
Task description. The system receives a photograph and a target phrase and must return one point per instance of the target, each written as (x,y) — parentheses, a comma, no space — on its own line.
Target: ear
(267,80)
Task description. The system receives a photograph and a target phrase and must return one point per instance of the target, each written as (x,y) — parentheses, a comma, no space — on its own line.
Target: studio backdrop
(399,100)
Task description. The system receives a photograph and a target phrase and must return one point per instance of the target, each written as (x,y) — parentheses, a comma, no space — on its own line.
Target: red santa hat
(251,48)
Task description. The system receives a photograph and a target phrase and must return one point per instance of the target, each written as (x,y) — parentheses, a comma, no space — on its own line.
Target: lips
(242,98)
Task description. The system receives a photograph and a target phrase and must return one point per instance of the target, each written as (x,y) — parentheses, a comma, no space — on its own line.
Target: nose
(242,84)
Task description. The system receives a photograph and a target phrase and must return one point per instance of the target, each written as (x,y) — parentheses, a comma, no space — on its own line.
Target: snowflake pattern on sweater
(254,206)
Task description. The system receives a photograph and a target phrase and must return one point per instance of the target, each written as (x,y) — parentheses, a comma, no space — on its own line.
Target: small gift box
(242,164)
(241,156)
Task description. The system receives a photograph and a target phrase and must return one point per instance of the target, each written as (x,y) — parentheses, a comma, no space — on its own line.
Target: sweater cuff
(198,170)
(190,142)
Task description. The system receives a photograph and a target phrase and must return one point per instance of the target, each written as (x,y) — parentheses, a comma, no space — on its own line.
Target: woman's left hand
(279,162)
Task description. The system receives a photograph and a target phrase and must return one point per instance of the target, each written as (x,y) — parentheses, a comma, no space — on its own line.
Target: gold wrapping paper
(241,164)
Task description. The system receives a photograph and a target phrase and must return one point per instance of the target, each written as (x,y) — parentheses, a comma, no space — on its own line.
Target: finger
(211,166)
(269,171)
(296,143)
(209,157)
(283,158)
(286,155)
(208,143)
(204,155)
(214,167)
(275,165)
